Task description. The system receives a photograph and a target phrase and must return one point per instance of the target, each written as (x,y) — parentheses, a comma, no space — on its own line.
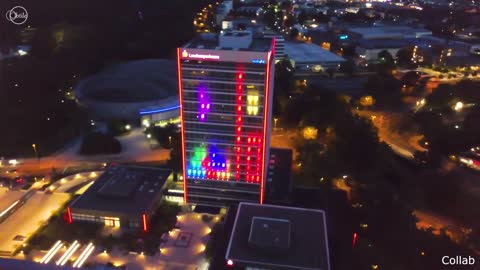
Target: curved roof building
(130,90)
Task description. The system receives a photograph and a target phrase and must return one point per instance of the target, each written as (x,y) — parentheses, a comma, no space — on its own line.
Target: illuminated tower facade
(225,87)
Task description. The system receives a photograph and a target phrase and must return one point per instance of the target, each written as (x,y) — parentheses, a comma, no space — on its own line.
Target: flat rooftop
(123,189)
(279,237)
(210,41)
(372,32)
(383,43)
(310,53)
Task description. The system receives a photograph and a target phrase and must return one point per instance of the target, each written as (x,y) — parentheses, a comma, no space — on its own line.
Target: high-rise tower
(225,87)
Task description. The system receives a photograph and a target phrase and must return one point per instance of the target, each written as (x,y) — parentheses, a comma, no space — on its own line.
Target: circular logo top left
(17,15)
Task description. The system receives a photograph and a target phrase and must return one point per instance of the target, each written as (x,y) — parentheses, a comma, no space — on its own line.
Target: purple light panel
(204,103)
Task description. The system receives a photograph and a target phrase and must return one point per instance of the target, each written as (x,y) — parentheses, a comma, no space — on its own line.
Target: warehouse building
(309,57)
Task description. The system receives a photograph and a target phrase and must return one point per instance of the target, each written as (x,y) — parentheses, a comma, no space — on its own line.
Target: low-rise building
(368,50)
(123,196)
(278,237)
(308,57)
(387,32)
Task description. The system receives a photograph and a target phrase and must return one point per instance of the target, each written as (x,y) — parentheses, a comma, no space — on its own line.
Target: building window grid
(223,92)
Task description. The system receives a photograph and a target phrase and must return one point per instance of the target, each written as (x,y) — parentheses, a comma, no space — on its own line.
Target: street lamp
(275,123)
(170,140)
(458,106)
(34,146)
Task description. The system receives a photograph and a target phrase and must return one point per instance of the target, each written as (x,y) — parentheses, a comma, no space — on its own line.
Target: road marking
(9,208)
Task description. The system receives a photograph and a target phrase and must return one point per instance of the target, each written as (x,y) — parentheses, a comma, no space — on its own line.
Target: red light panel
(144,220)
(182,126)
(238,130)
(265,120)
(69,215)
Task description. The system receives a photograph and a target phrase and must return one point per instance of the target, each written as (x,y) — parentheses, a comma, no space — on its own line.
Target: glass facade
(223,107)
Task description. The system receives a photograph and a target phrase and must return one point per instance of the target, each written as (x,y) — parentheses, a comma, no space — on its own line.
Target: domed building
(145,90)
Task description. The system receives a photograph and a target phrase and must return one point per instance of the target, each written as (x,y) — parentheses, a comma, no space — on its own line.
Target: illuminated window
(112,221)
(252,102)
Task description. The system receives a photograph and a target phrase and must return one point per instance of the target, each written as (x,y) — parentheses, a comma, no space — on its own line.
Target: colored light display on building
(225,116)
(238,123)
(252,101)
(204,103)
(208,164)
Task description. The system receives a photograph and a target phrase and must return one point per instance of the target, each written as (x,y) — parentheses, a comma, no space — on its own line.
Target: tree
(330,72)
(283,84)
(441,190)
(385,89)
(43,43)
(117,127)
(385,62)
(294,33)
(99,143)
(164,135)
(404,56)
(411,78)
(385,56)
(471,127)
(302,17)
(347,67)
(215,240)
(290,21)
(367,101)
(269,17)
(175,160)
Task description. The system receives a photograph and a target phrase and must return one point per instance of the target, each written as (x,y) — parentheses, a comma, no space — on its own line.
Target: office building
(121,197)
(278,237)
(225,85)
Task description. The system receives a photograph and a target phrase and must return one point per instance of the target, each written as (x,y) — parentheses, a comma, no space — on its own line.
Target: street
(135,148)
